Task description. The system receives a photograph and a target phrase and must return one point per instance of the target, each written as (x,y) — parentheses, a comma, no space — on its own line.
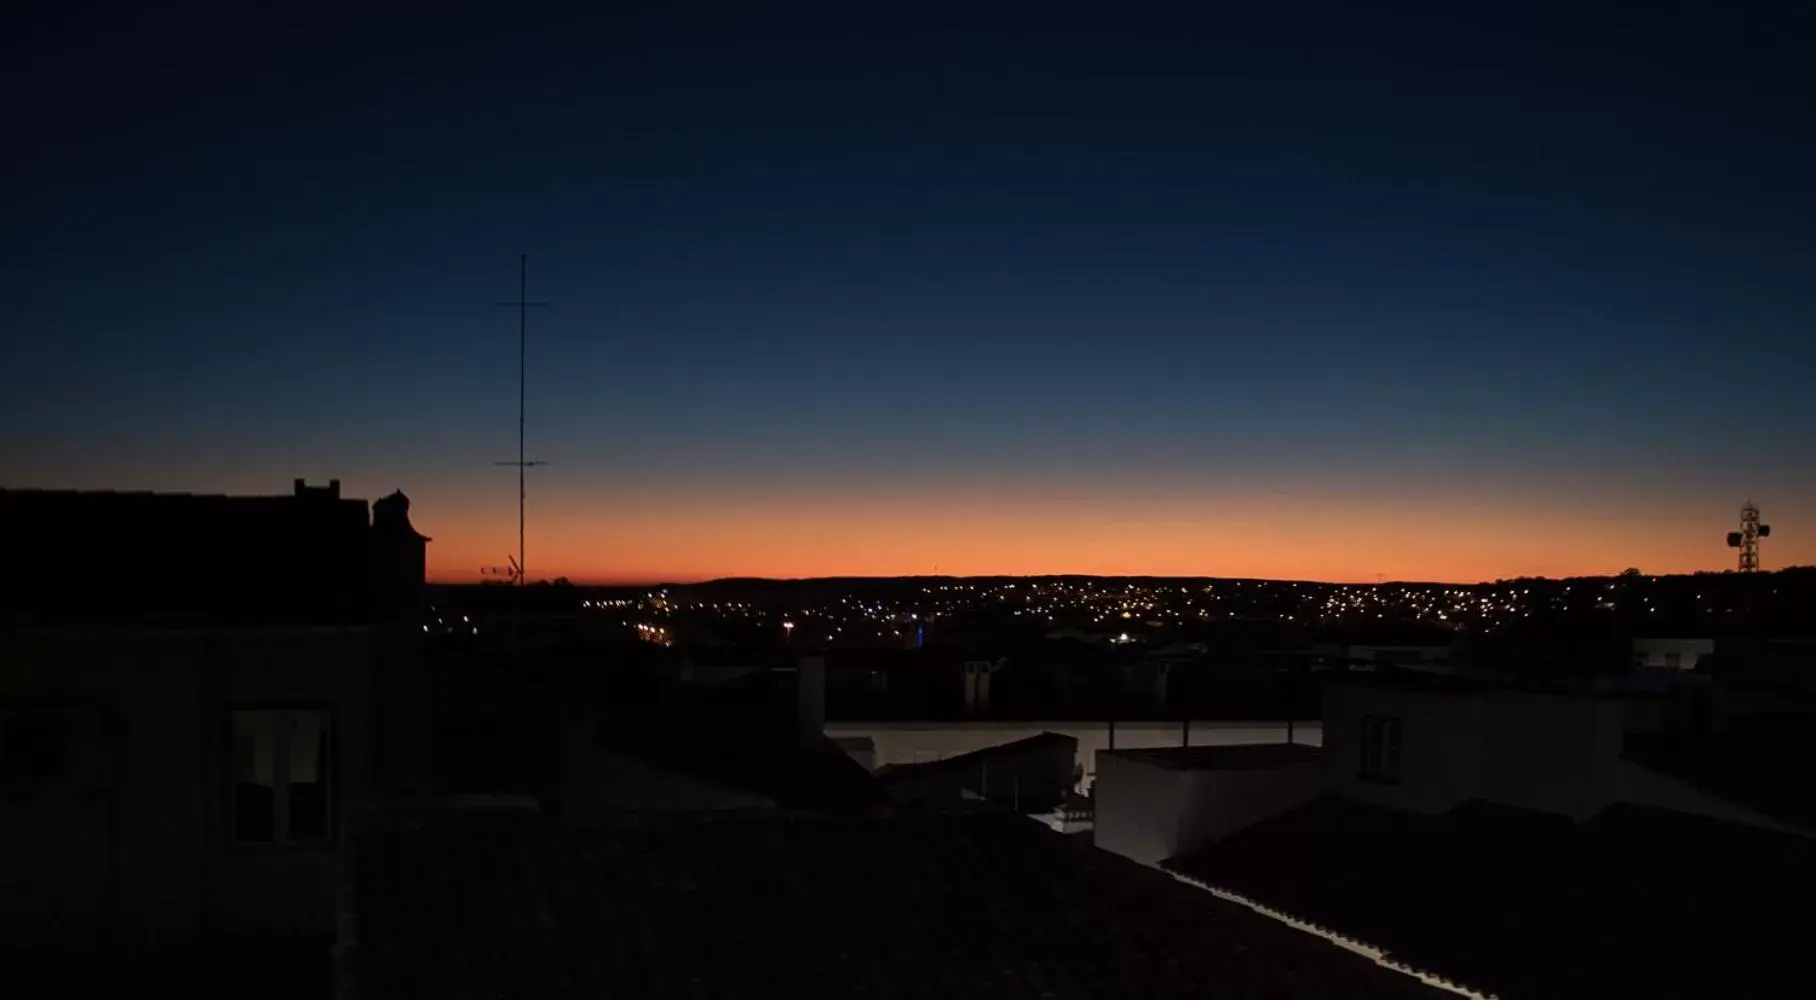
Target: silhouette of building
(1380,644)
(756,742)
(170,559)
(201,695)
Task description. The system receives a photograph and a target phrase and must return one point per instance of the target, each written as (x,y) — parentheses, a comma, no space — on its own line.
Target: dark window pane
(254,813)
(309,813)
(309,780)
(253,772)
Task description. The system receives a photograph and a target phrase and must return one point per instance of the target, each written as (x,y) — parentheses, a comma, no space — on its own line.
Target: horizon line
(707,581)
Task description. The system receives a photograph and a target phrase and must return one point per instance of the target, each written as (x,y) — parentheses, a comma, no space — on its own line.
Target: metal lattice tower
(523,465)
(1747,538)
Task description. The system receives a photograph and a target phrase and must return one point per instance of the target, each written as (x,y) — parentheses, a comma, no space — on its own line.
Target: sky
(1313,291)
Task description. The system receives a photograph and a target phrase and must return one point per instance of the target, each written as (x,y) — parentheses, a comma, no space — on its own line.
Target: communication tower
(1747,538)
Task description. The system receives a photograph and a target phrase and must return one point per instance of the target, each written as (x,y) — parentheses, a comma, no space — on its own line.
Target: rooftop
(735,749)
(1633,902)
(1239,757)
(750,744)
(1760,762)
(948,906)
(187,559)
(106,959)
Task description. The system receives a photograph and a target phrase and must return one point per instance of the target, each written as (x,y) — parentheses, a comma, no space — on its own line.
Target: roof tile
(915,906)
(1526,904)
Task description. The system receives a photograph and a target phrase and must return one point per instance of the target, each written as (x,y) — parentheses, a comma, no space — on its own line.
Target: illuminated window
(281,762)
(1381,748)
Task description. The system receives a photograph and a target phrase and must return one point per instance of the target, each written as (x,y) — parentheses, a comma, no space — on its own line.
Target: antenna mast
(523,305)
(1747,538)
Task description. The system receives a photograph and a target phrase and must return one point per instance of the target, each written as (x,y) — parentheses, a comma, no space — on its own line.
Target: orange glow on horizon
(1287,540)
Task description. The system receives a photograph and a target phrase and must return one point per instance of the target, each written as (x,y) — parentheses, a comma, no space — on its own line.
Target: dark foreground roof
(1635,902)
(742,750)
(1761,762)
(101,960)
(748,746)
(967,762)
(923,906)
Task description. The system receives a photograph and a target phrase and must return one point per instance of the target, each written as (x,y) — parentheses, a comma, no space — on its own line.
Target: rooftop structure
(98,558)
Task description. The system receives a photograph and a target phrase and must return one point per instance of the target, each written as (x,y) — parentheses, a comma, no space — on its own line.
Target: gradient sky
(1456,292)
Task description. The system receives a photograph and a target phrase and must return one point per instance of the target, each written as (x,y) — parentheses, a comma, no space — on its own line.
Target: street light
(788,632)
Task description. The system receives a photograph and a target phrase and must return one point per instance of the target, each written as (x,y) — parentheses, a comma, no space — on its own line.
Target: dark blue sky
(1542,273)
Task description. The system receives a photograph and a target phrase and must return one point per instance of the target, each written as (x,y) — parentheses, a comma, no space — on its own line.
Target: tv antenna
(507,573)
(1747,538)
(523,465)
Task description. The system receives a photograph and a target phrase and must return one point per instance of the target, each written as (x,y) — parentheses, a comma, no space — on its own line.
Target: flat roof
(1234,757)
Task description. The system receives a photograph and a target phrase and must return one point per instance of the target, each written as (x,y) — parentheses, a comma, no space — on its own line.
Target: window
(1381,748)
(1674,661)
(281,764)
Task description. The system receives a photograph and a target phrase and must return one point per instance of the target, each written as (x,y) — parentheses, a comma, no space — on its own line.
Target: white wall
(1440,746)
(1147,812)
(1218,803)
(1653,652)
(1550,752)
(1554,753)
(1136,813)
(918,742)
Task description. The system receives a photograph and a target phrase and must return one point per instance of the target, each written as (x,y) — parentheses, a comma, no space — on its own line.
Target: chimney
(399,560)
(401,678)
(810,701)
(301,488)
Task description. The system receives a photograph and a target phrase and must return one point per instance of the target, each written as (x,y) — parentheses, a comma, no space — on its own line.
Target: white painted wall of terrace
(918,742)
